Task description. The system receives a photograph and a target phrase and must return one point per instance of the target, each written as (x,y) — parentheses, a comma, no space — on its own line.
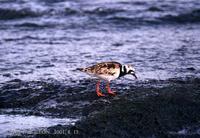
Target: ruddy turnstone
(108,71)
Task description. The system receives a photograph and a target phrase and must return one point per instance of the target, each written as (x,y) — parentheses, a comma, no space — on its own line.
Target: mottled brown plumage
(104,68)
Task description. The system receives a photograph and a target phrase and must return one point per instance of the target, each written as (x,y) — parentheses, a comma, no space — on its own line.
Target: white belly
(108,77)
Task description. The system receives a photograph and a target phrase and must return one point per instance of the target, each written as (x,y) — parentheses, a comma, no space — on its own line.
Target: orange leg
(109,90)
(98,89)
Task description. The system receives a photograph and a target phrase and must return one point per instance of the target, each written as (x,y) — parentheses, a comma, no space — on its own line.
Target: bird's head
(130,70)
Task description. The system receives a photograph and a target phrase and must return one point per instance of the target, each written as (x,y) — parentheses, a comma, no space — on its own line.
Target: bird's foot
(109,89)
(100,94)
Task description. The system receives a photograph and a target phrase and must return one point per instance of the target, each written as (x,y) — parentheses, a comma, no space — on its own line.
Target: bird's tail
(81,69)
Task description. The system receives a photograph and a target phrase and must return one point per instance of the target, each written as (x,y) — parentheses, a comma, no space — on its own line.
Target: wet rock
(143,110)
(173,108)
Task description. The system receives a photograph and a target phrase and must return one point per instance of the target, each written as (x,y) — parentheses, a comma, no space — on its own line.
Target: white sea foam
(16,124)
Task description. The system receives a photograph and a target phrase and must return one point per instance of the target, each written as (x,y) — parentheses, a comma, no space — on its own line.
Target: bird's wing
(106,68)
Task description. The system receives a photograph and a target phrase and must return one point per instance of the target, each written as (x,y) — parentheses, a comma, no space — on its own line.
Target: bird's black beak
(134,75)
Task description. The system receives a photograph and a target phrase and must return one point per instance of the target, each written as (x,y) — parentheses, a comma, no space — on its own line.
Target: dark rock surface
(168,108)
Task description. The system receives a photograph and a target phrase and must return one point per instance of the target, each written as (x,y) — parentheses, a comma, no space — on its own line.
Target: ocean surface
(42,42)
(51,38)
